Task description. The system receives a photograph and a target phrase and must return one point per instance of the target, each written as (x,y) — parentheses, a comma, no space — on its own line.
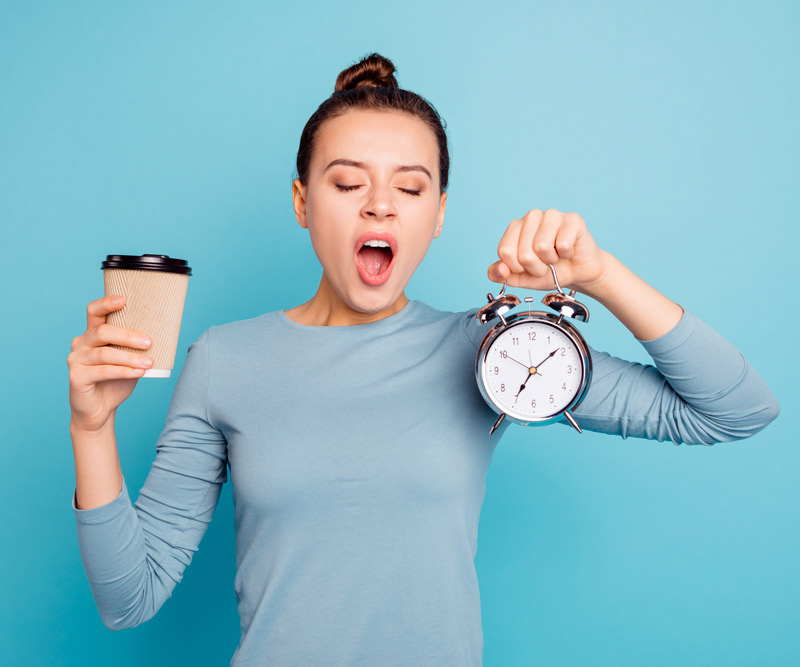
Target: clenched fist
(548,237)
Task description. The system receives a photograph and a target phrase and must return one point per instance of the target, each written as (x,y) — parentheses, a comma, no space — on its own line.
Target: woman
(357,441)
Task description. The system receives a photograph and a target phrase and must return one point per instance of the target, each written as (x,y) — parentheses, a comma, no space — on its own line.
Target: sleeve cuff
(675,337)
(103,512)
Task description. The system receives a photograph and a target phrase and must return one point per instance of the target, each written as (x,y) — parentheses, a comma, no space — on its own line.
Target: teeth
(374,243)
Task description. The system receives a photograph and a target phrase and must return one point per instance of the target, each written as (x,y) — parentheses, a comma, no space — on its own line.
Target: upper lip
(377,236)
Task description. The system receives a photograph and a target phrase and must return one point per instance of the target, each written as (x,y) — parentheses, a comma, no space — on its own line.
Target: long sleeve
(700,391)
(135,555)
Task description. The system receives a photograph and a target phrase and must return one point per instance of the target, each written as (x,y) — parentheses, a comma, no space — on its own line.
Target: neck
(327,309)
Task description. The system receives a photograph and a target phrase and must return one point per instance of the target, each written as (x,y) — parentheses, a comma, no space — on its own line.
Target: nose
(380,204)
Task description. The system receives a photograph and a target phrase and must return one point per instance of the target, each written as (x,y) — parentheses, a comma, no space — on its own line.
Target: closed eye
(350,188)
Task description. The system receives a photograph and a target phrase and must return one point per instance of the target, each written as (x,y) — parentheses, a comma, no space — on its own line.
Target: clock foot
(572,421)
(498,422)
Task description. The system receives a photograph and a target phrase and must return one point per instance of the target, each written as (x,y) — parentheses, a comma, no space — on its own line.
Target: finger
(97,310)
(527,254)
(109,334)
(526,281)
(499,272)
(544,242)
(81,363)
(107,355)
(568,235)
(85,376)
(508,247)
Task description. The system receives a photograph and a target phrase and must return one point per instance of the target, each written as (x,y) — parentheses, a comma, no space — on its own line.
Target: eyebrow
(361,165)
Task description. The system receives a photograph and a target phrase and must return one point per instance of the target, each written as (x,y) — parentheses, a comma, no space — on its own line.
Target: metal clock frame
(517,319)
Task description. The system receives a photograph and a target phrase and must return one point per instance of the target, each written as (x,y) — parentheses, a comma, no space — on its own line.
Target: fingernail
(144,340)
(146,361)
(116,300)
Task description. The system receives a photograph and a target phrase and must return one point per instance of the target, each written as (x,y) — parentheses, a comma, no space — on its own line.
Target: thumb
(499,272)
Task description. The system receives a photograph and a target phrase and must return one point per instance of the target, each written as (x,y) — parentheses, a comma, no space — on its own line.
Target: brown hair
(370,84)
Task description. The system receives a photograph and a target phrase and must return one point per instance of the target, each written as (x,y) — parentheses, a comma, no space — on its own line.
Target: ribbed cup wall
(153,305)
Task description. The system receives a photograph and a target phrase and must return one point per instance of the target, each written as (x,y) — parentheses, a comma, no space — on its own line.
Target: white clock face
(533,371)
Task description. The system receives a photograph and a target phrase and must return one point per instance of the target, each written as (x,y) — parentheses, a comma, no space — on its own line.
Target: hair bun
(372,71)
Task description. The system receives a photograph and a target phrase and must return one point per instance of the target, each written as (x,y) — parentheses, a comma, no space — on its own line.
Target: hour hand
(522,386)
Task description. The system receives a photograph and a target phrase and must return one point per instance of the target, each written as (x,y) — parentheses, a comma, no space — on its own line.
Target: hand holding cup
(101,377)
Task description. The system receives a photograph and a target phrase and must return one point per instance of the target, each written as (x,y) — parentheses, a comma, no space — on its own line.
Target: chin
(373,300)
(372,305)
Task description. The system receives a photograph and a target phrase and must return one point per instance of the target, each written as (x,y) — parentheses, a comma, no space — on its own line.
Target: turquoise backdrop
(172,127)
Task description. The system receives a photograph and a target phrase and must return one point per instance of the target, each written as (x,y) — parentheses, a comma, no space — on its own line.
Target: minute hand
(549,356)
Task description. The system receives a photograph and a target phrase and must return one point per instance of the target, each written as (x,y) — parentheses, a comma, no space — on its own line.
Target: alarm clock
(534,367)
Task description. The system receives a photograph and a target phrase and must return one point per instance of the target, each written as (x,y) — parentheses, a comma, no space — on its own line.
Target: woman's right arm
(135,554)
(100,379)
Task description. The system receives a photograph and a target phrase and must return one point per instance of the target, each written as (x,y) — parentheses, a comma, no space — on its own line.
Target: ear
(299,202)
(440,217)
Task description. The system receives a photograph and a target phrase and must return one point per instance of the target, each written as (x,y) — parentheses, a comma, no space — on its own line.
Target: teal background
(172,127)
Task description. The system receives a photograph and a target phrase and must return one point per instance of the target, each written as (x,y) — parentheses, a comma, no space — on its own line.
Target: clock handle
(572,421)
(555,280)
(498,422)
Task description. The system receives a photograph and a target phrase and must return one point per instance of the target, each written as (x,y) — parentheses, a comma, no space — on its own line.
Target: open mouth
(375,254)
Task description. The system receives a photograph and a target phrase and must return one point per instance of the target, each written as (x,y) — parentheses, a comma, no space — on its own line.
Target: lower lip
(374,279)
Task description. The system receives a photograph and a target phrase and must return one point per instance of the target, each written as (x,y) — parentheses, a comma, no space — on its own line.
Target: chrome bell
(497,306)
(565,304)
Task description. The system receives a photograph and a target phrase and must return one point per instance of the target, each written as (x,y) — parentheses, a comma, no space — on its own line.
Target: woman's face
(372,205)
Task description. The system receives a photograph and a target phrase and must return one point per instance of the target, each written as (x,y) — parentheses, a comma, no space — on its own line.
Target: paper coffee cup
(154,287)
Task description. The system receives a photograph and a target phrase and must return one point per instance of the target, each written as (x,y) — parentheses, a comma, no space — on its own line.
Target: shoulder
(461,326)
(428,317)
(240,333)
(248,326)
(426,314)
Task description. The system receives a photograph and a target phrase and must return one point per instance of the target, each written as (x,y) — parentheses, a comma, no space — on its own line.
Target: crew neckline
(383,323)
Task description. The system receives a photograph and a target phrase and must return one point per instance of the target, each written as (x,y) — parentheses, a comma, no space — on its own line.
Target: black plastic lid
(163,263)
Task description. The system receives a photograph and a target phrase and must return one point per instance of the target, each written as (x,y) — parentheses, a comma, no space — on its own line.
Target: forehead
(376,137)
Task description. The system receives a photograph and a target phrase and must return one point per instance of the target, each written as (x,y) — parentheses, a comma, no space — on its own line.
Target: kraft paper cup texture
(153,305)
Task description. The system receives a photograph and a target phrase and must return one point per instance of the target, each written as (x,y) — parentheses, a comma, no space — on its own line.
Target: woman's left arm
(702,389)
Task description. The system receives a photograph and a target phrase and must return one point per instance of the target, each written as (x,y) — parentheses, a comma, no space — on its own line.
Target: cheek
(427,217)
(326,242)
(324,224)
(417,247)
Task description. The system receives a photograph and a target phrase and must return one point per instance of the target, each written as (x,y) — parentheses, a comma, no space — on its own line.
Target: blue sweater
(358,457)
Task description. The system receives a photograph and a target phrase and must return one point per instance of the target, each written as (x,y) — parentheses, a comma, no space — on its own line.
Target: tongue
(375,260)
